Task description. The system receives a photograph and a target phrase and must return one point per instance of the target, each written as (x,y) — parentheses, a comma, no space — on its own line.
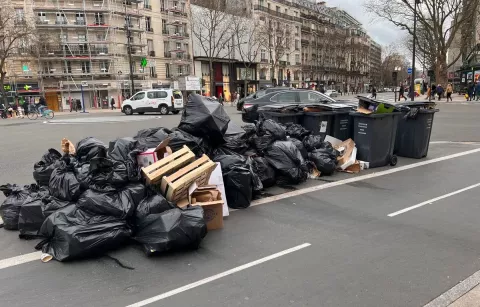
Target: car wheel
(128,110)
(176,111)
(164,110)
(141,113)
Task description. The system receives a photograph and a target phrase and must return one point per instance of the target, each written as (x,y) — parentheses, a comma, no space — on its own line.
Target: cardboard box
(171,163)
(216,179)
(349,153)
(153,155)
(210,198)
(175,186)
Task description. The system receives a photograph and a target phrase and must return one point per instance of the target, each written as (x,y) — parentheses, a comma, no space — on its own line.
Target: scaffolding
(92,51)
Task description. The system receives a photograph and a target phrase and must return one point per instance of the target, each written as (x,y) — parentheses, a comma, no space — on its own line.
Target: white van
(157,100)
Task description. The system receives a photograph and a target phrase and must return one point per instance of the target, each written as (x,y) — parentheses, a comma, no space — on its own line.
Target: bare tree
(391,59)
(212,29)
(246,38)
(18,39)
(276,37)
(441,21)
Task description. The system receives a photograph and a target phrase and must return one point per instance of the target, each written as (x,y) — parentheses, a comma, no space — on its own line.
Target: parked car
(155,100)
(250,108)
(260,94)
(331,93)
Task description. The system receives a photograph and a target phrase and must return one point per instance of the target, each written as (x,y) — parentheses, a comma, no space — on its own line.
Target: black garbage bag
(300,147)
(312,142)
(72,233)
(110,201)
(288,161)
(152,137)
(172,230)
(238,180)
(264,171)
(44,168)
(237,139)
(256,181)
(323,161)
(268,132)
(31,216)
(51,204)
(152,204)
(10,208)
(82,173)
(124,152)
(296,131)
(205,118)
(63,182)
(197,145)
(90,148)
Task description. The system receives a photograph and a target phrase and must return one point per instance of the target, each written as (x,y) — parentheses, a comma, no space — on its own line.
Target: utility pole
(128,33)
(412,77)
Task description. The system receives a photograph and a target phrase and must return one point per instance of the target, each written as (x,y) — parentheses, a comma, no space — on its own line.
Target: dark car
(260,94)
(250,108)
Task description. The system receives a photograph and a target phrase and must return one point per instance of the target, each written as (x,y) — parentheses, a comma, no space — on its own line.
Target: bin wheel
(393,160)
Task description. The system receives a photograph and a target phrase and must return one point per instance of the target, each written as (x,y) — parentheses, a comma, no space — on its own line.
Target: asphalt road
(357,255)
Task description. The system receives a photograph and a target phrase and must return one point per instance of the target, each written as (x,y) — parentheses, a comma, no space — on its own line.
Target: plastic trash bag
(152,204)
(172,230)
(90,148)
(63,182)
(82,173)
(44,168)
(296,131)
(300,147)
(51,204)
(256,181)
(323,161)
(10,208)
(204,118)
(31,215)
(152,137)
(72,233)
(272,128)
(312,142)
(178,138)
(239,139)
(264,171)
(288,161)
(124,152)
(238,180)
(110,201)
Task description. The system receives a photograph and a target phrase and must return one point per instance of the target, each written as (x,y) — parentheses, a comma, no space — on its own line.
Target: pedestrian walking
(439,91)
(220,99)
(401,93)
(374,93)
(429,93)
(470,91)
(112,103)
(449,92)
(477,90)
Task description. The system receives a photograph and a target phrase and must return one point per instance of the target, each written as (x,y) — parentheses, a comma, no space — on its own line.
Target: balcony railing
(277,14)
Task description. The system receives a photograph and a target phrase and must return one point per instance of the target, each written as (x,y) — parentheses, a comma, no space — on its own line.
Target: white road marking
(360,178)
(218,276)
(430,201)
(9,262)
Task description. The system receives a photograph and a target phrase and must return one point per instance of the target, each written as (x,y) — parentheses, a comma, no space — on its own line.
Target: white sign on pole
(84,83)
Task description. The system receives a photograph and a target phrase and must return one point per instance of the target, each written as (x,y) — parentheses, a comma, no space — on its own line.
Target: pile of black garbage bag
(94,201)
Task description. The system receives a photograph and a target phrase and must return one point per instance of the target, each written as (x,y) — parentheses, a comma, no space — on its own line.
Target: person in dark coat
(471,91)
(439,91)
(401,93)
(112,103)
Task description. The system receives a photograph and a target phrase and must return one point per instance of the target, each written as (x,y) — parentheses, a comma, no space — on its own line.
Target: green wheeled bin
(374,136)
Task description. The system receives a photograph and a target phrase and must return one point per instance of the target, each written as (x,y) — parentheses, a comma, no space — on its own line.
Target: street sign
(84,83)
(423,76)
(409,70)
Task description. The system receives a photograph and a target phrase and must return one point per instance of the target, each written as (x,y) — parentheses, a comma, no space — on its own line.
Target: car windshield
(260,94)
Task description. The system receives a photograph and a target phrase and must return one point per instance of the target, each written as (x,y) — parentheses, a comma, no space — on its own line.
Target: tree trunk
(2,88)
(212,78)
(441,70)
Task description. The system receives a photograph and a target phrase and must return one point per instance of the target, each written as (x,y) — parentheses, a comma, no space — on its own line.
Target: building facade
(375,55)
(93,43)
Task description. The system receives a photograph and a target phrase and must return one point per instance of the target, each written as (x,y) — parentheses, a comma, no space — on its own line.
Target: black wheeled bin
(374,137)
(319,123)
(414,130)
(283,118)
(334,121)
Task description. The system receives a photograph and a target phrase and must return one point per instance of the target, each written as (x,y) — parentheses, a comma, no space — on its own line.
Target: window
(82,37)
(297,30)
(148,24)
(180,69)
(184,29)
(285,97)
(25,68)
(68,67)
(162,5)
(42,17)
(297,47)
(295,76)
(85,67)
(297,59)
(167,70)
(159,94)
(166,47)
(186,47)
(19,16)
(101,37)
(79,19)
(309,97)
(103,66)
(147,5)
(277,9)
(182,7)
(149,45)
(99,19)
(139,96)
(263,74)
(263,55)
(164,26)
(153,71)
(61,19)
(178,46)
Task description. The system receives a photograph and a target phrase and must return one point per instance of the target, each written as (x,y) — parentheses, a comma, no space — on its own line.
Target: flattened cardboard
(217,179)
(152,155)
(348,155)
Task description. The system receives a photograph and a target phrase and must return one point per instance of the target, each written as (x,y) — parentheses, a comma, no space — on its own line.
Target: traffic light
(394,76)
(431,73)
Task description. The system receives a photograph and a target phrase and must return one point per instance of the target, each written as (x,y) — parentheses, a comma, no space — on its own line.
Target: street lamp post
(412,77)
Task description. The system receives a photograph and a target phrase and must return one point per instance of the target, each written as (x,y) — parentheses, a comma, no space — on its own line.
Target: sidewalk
(89,111)
(469,299)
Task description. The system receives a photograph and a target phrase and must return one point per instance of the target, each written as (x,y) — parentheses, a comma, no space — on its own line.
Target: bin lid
(337,107)
(280,108)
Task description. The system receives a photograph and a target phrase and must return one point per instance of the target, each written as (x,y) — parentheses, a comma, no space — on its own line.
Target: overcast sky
(381,31)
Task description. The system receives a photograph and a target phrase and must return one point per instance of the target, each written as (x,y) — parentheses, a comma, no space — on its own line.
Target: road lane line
(429,202)
(218,276)
(9,262)
(359,178)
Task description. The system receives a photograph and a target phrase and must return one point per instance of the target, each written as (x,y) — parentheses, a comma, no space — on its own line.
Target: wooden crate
(168,165)
(175,187)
